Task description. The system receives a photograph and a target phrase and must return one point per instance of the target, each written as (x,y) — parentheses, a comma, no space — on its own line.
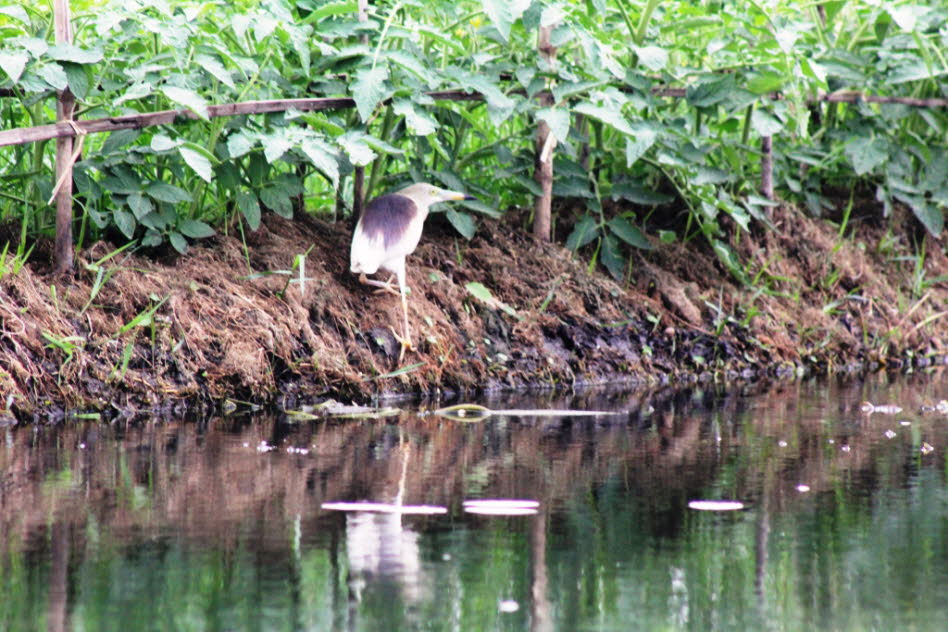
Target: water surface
(218,524)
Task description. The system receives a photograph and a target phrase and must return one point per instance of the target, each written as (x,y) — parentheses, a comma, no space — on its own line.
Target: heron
(389,231)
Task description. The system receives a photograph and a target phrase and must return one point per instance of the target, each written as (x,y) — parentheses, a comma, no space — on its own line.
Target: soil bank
(136,335)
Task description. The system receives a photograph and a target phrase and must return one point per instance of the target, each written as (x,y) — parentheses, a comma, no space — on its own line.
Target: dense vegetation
(620,138)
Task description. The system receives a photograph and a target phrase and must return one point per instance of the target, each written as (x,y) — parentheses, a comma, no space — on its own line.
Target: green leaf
(765,82)
(353,143)
(74,54)
(329,9)
(54,75)
(462,222)
(178,241)
(140,205)
(169,193)
(586,230)
(611,257)
(906,16)
(138,90)
(197,161)
(629,233)
(557,119)
(276,199)
(17,12)
(611,116)
(78,78)
(216,69)
(866,154)
(13,63)
(638,194)
(369,89)
(323,158)
(564,90)
(125,222)
(730,260)
(930,215)
(418,122)
(914,70)
(710,91)
(503,13)
(163,142)
(644,136)
(275,144)
(484,209)
(654,58)
(118,139)
(250,208)
(414,65)
(765,123)
(187,98)
(240,143)
(195,229)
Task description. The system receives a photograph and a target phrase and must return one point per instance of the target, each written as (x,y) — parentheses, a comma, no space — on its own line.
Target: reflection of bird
(387,232)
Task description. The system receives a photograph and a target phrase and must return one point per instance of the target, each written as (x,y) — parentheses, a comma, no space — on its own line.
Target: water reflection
(191,526)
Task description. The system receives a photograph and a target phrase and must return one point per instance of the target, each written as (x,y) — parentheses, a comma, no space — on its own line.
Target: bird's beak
(455,195)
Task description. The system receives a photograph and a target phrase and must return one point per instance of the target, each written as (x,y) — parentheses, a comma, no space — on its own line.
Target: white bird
(389,231)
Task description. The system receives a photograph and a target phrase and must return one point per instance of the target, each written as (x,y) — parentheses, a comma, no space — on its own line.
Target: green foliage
(618,138)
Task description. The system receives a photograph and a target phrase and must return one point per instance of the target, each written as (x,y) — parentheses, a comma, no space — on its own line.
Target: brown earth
(136,334)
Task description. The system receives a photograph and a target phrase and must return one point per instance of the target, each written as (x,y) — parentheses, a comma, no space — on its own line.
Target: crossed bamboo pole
(67,129)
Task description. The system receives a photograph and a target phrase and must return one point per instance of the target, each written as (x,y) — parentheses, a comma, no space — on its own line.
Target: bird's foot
(405,343)
(385,287)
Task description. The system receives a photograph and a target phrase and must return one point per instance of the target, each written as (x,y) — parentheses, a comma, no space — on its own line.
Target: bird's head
(425,194)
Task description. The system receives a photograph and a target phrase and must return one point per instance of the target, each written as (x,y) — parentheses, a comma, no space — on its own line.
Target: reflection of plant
(617,139)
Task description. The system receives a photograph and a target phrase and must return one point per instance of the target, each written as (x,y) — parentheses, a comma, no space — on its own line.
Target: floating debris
(508,605)
(332,408)
(882,409)
(385,508)
(927,448)
(846,448)
(474,412)
(295,450)
(782,443)
(905,422)
(501,507)
(940,407)
(715,505)
(263,446)
(803,488)
(890,434)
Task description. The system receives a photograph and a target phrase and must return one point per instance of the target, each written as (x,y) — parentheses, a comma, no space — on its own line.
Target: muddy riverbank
(135,334)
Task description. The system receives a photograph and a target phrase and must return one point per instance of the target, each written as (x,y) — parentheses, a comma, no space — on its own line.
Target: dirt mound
(131,334)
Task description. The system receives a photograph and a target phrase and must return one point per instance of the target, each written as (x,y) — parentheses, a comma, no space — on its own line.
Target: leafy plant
(620,136)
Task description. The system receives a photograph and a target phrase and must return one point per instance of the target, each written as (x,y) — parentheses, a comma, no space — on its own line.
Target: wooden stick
(358,177)
(167,117)
(767,167)
(544,146)
(65,107)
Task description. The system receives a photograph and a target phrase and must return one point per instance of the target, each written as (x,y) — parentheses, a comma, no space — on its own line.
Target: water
(196,526)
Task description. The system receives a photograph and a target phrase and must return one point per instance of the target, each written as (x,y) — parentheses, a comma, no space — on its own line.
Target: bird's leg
(406,341)
(385,286)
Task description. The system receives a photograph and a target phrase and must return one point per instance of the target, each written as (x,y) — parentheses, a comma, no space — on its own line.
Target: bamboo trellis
(67,132)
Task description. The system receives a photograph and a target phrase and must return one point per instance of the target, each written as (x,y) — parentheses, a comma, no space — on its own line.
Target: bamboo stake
(545,144)
(358,178)
(767,167)
(65,108)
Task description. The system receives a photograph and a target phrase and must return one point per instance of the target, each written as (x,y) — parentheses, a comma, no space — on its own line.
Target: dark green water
(191,526)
